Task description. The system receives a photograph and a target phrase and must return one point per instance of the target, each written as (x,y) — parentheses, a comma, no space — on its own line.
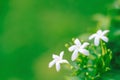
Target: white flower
(78,47)
(57,60)
(99,35)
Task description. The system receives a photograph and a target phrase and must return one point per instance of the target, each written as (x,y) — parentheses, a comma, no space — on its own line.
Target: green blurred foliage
(115,37)
(31,30)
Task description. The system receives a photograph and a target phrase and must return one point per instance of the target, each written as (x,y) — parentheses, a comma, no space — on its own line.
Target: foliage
(93,66)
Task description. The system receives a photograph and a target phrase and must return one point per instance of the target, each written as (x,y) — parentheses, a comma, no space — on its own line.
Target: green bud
(109,50)
(99,55)
(95,66)
(92,78)
(84,66)
(71,67)
(87,73)
(103,44)
(73,39)
(66,45)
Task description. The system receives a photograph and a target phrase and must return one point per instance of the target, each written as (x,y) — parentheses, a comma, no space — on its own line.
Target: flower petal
(64,61)
(51,63)
(92,36)
(99,32)
(61,54)
(77,42)
(58,67)
(71,48)
(74,55)
(104,32)
(55,56)
(96,41)
(84,51)
(85,44)
(104,39)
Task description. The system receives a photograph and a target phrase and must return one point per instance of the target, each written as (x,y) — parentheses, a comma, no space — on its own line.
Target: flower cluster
(81,48)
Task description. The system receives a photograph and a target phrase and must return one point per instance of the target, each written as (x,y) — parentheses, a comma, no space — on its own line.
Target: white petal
(92,36)
(104,32)
(104,39)
(74,55)
(61,54)
(84,51)
(55,56)
(51,63)
(71,48)
(96,41)
(99,32)
(64,61)
(77,42)
(58,67)
(85,44)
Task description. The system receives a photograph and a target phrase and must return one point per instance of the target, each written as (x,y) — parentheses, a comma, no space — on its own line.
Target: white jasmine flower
(99,36)
(57,60)
(78,47)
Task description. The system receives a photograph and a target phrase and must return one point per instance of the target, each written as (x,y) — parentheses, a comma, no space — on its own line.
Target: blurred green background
(31,30)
